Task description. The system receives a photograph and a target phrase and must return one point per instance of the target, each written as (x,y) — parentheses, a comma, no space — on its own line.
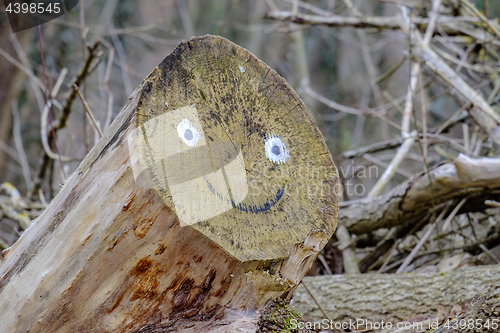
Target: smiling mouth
(243,206)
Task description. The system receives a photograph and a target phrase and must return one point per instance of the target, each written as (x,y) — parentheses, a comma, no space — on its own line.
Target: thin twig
(491,24)
(452,215)
(367,57)
(185,18)
(313,9)
(122,58)
(492,203)
(409,258)
(408,108)
(391,169)
(18,141)
(315,301)
(489,253)
(87,110)
(107,76)
(388,73)
(322,259)
(429,32)
(345,109)
(43,128)
(10,151)
(332,104)
(433,16)
(384,165)
(37,83)
(441,69)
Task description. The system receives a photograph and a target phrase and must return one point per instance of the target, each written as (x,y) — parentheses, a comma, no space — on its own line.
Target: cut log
(210,196)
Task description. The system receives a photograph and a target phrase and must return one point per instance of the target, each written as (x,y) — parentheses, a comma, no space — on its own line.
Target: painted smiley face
(204,179)
(234,152)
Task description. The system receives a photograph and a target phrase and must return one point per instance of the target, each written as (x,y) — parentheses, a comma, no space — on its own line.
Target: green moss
(280,317)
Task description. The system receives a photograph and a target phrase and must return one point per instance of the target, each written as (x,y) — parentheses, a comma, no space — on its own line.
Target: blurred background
(137,35)
(354,82)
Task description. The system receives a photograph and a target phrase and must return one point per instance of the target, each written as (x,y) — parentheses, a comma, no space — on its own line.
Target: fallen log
(392,297)
(208,198)
(475,179)
(482,315)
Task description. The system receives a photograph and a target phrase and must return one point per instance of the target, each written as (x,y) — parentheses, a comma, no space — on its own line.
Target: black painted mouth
(243,206)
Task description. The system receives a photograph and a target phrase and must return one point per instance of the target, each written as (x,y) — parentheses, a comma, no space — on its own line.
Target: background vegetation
(374,74)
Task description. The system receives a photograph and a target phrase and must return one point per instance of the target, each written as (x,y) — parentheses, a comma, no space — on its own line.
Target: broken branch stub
(210,194)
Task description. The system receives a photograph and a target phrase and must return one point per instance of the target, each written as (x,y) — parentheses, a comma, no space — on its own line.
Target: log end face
(232,149)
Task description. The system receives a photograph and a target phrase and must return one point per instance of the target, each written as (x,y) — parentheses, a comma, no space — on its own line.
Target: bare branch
(449,23)
(478,179)
(61,122)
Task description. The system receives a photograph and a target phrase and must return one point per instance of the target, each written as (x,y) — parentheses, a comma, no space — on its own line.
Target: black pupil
(276,150)
(188,134)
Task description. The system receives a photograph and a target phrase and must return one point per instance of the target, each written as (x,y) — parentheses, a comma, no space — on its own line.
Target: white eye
(188,133)
(276,150)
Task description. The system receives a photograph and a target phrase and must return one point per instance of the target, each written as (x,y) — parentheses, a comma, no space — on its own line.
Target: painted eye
(188,133)
(275,149)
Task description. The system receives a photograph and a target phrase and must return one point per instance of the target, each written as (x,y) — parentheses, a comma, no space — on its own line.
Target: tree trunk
(138,241)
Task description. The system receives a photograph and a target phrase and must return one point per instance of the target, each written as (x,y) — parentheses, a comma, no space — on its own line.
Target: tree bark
(475,179)
(483,315)
(392,297)
(115,251)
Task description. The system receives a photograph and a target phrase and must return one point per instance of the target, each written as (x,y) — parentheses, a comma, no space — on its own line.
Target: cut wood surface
(115,251)
(235,110)
(392,297)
